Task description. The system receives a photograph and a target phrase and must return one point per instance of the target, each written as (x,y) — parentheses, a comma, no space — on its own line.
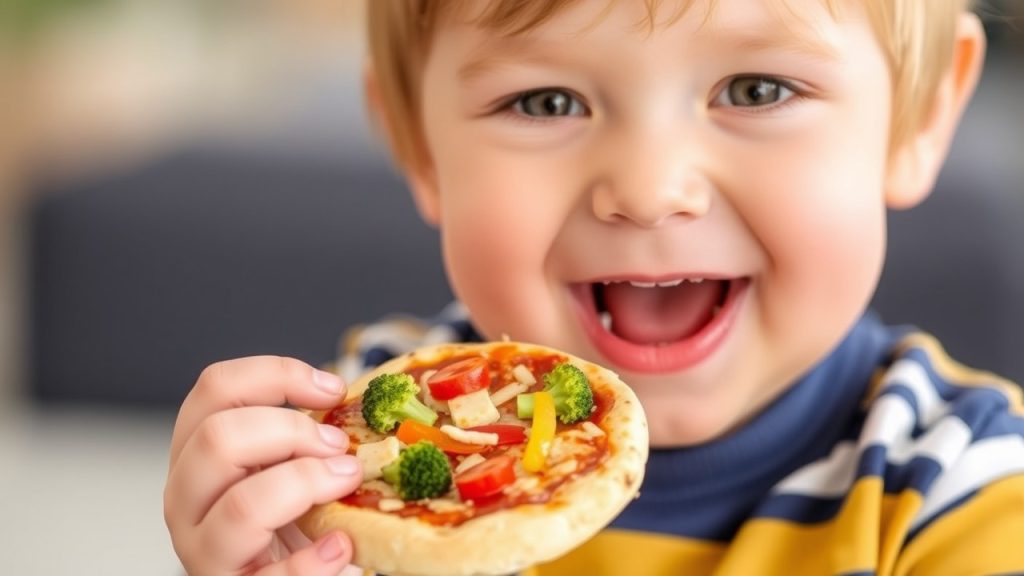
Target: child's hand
(243,468)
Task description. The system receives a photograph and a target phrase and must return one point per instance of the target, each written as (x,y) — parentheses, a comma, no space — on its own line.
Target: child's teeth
(670,283)
(642,284)
(606,320)
(695,280)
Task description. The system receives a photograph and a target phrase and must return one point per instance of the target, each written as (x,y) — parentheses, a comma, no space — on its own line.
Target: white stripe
(889,424)
(930,406)
(982,463)
(890,421)
(829,477)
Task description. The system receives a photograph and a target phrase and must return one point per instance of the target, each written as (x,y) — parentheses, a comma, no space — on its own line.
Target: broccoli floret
(391,398)
(420,471)
(570,390)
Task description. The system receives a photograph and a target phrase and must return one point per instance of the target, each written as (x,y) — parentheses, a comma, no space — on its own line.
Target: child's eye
(549,103)
(754,92)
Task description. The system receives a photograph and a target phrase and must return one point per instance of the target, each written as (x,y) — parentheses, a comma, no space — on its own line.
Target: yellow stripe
(984,536)
(619,552)
(869,529)
(848,543)
(869,534)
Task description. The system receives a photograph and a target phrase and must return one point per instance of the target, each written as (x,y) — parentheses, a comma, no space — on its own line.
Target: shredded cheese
(428,398)
(390,504)
(469,462)
(592,430)
(473,409)
(523,375)
(444,506)
(563,468)
(376,455)
(508,392)
(469,436)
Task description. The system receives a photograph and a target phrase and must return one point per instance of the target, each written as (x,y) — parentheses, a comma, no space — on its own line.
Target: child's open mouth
(659,326)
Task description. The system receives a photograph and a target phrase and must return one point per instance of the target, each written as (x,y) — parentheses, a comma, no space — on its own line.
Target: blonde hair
(915,35)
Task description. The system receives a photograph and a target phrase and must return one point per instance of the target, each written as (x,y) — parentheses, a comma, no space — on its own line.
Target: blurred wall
(98,89)
(239,125)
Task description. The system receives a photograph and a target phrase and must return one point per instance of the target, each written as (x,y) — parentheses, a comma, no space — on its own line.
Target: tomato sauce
(501,361)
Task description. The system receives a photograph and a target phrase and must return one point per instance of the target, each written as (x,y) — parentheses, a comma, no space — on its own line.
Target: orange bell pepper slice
(411,432)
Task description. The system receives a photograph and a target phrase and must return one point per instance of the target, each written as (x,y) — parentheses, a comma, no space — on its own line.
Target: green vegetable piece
(420,471)
(391,398)
(524,406)
(569,388)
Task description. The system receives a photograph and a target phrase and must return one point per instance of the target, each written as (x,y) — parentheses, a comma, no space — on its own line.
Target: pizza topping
(523,375)
(421,471)
(411,432)
(390,399)
(460,377)
(545,453)
(506,433)
(509,392)
(570,390)
(474,409)
(390,504)
(542,432)
(487,478)
(446,506)
(468,462)
(431,402)
(376,455)
(563,468)
(470,436)
(592,430)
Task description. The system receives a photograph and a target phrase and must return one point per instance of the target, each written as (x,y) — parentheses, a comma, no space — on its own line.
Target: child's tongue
(661,315)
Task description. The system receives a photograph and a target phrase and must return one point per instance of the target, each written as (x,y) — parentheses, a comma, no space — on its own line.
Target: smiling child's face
(737,163)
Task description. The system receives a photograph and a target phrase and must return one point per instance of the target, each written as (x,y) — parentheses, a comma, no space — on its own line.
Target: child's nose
(649,186)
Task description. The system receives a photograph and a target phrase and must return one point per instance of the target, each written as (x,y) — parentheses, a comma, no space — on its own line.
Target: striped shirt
(887,458)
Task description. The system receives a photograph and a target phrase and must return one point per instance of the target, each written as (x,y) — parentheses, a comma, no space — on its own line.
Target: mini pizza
(483,459)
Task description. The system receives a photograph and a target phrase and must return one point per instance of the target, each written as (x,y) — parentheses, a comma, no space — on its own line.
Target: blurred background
(183,182)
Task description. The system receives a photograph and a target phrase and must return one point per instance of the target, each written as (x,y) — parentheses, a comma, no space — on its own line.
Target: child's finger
(254,381)
(228,445)
(328,556)
(242,522)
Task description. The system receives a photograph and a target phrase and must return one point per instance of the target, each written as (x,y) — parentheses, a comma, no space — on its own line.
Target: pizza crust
(509,540)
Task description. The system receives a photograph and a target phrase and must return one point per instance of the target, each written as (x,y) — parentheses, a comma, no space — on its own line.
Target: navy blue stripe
(376,356)
(800,509)
(919,473)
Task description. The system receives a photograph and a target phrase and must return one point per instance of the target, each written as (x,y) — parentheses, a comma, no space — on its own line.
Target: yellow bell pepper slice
(541,434)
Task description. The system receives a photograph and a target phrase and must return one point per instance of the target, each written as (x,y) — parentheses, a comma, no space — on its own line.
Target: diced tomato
(507,433)
(460,377)
(411,432)
(486,478)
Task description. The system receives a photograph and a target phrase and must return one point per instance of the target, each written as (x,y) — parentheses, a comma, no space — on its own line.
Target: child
(693,194)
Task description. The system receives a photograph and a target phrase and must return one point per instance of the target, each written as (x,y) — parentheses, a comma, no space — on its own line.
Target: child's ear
(914,166)
(418,172)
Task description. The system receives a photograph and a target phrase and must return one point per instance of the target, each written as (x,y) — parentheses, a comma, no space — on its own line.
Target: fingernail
(327,382)
(342,465)
(332,435)
(330,548)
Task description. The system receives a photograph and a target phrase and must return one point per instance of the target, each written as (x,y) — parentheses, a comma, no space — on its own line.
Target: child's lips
(658,325)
